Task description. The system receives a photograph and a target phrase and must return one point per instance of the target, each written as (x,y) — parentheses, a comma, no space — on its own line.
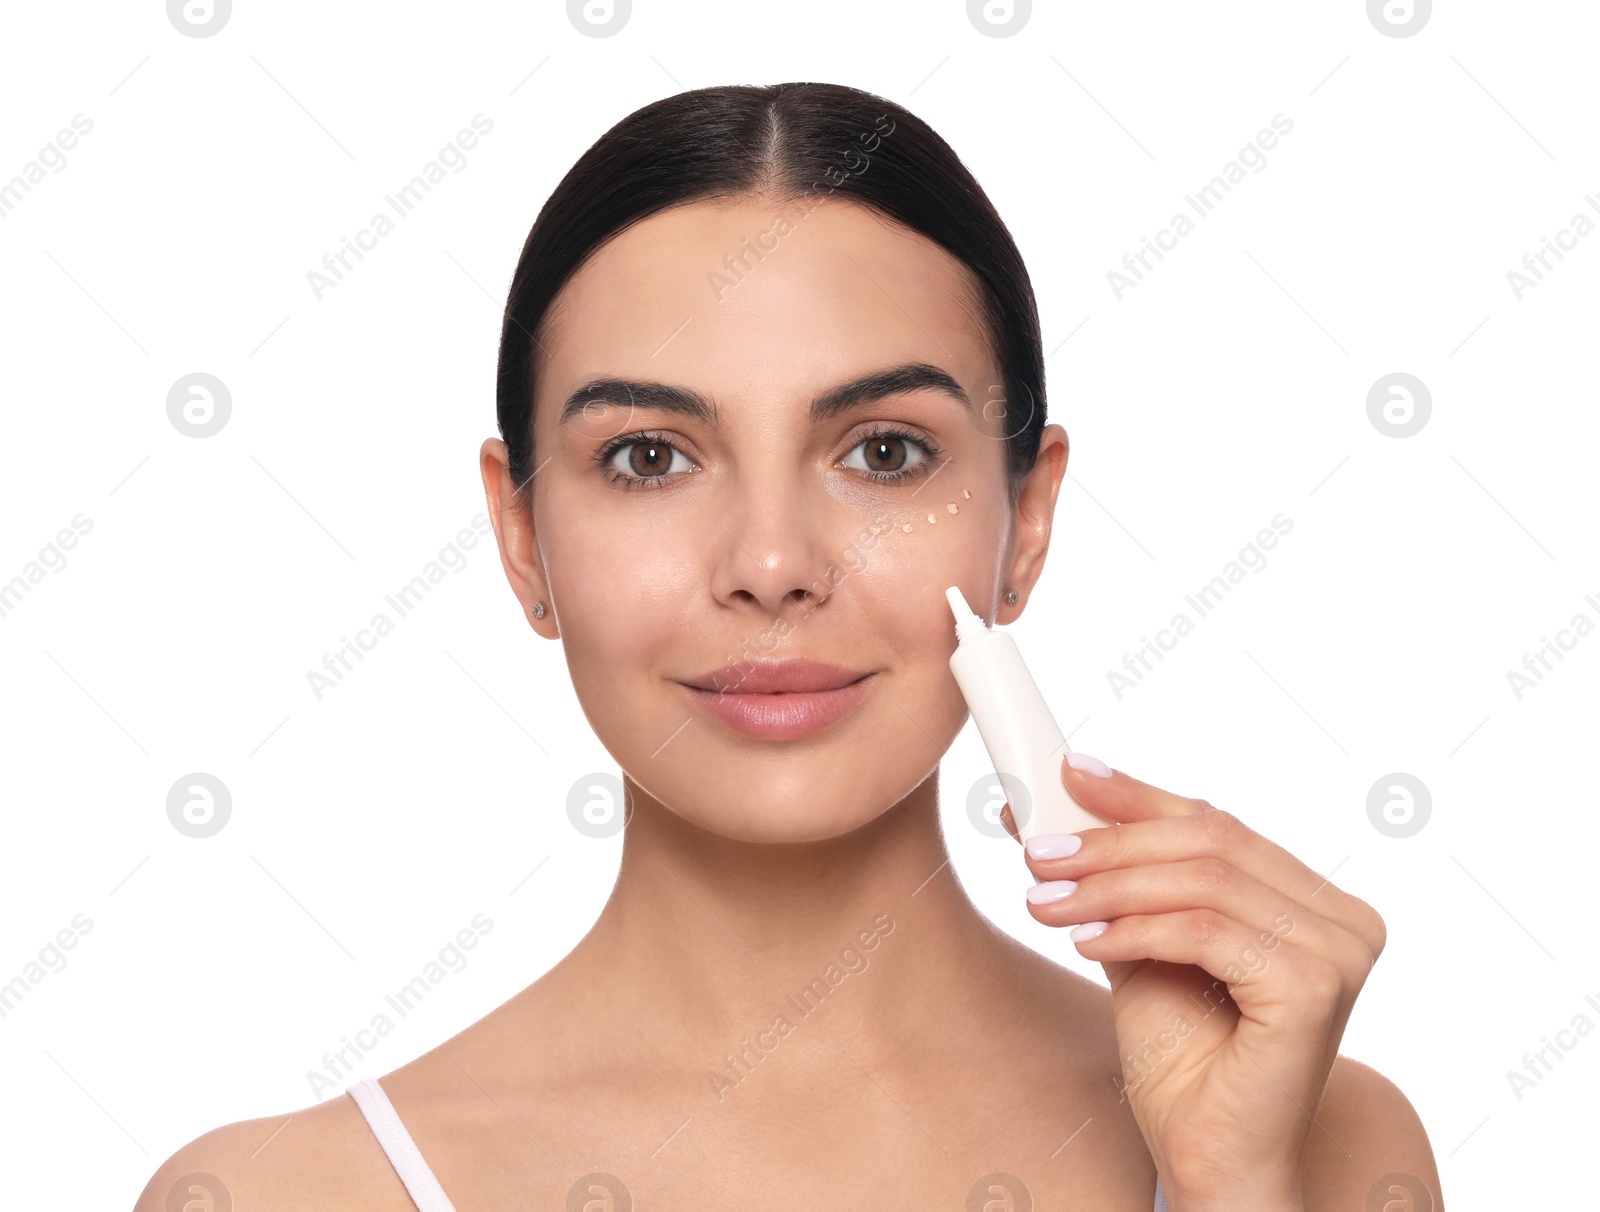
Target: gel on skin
(1022,737)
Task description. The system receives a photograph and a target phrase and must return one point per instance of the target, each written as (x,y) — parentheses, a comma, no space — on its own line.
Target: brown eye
(888,456)
(649,458)
(885,454)
(646,459)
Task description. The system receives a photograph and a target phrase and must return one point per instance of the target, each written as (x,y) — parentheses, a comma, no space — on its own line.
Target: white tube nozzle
(968,624)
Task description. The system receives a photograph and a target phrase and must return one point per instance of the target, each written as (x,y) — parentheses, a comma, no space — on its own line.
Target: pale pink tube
(1024,741)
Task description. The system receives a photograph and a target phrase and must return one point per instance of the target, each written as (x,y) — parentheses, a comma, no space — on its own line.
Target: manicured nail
(1089,765)
(1051,891)
(1053,845)
(1089,930)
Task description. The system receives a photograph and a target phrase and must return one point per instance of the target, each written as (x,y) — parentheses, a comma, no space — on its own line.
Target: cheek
(899,582)
(624,592)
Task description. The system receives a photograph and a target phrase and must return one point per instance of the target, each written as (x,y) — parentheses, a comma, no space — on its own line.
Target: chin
(802,804)
(782,823)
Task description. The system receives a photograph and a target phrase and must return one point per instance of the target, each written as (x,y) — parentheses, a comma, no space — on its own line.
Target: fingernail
(1053,845)
(1051,891)
(1087,931)
(1089,765)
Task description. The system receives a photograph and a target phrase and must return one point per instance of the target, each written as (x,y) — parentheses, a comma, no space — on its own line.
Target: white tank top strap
(407,1160)
(403,1153)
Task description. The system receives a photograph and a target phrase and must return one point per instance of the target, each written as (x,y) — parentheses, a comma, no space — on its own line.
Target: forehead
(753,300)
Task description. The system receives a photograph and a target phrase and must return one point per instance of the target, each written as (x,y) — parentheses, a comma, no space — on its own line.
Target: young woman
(770,380)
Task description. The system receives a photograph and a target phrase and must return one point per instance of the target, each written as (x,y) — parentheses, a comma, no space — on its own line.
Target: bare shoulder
(1367,1133)
(323,1156)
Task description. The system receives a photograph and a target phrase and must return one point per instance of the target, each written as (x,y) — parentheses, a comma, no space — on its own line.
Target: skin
(949,1051)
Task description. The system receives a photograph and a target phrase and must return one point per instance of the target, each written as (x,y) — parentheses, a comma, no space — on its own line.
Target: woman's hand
(1233,970)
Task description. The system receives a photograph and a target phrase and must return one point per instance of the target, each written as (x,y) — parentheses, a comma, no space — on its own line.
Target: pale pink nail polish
(1089,930)
(1089,765)
(1053,845)
(1051,891)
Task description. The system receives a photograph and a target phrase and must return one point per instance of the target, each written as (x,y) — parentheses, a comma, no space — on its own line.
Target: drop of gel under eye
(967,493)
(952,507)
(906,528)
(933,517)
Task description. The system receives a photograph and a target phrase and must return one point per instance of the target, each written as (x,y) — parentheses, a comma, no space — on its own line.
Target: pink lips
(779,700)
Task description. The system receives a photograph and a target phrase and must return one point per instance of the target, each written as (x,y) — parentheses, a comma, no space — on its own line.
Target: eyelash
(627,480)
(930,451)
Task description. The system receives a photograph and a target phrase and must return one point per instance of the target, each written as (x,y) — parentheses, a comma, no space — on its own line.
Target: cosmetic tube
(1024,741)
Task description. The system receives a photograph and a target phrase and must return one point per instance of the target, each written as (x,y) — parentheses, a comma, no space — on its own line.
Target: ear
(513,531)
(1036,507)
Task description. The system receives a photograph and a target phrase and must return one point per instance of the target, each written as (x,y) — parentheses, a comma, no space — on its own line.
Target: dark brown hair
(790,141)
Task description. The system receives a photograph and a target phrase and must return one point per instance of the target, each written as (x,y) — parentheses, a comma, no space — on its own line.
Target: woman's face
(761,443)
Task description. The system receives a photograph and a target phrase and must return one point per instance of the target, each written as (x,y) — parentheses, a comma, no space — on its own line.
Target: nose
(774,545)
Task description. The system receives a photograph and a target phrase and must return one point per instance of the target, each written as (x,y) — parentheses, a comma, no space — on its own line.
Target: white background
(1227,387)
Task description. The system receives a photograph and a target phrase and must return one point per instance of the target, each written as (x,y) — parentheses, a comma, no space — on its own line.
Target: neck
(706,943)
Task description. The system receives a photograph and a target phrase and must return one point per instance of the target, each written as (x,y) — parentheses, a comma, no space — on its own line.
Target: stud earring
(538,610)
(1011,597)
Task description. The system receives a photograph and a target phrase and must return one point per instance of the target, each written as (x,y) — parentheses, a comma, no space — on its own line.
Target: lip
(793,675)
(780,700)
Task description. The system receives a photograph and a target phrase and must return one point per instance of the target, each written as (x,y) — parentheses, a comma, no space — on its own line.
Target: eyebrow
(897,380)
